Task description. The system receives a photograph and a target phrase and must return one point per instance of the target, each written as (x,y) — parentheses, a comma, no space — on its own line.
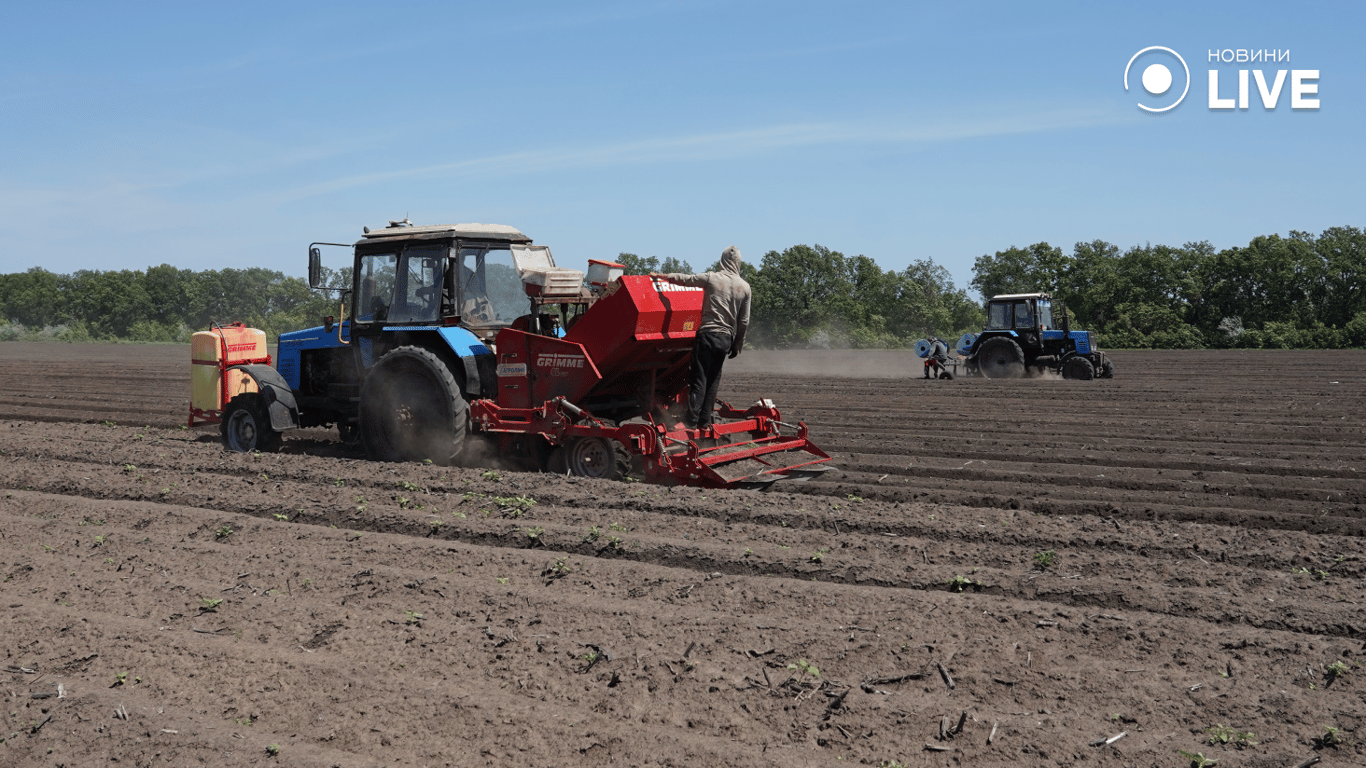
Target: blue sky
(232,135)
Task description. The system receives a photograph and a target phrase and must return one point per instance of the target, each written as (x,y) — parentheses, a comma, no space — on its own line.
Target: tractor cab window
(490,291)
(400,288)
(1045,314)
(376,279)
(417,295)
(1024,315)
(998,316)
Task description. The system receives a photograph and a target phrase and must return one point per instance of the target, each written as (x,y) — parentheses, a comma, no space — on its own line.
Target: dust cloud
(838,363)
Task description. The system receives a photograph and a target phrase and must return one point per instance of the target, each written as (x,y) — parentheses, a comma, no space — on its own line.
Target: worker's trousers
(708,355)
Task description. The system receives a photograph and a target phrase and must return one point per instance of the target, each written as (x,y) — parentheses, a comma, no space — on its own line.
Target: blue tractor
(1021,339)
(396,375)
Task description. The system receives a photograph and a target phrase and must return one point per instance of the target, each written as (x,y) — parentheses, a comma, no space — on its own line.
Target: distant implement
(470,329)
(1021,340)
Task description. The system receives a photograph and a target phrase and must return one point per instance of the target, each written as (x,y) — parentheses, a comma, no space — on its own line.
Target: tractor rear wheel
(411,409)
(349,433)
(1001,358)
(1078,369)
(246,424)
(599,457)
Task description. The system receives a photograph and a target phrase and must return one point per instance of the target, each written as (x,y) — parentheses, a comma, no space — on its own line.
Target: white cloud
(717,146)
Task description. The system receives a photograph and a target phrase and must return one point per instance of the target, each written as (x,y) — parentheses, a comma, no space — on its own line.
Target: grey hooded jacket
(725,309)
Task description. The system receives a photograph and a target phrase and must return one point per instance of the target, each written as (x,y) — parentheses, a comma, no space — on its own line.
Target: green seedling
(1338,669)
(501,579)
(559,568)
(99,541)
(492,475)
(273,750)
(283,518)
(1197,759)
(413,617)
(534,534)
(407,486)
(210,604)
(819,554)
(614,542)
(749,551)
(852,497)
(802,669)
(593,534)
(1044,559)
(222,532)
(617,527)
(1332,737)
(120,679)
(513,506)
(1223,735)
(960,582)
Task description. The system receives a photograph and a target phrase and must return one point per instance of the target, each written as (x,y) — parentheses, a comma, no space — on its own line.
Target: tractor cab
(479,277)
(1020,312)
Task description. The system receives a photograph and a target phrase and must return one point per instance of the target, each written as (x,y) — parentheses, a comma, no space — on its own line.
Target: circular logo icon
(1157,78)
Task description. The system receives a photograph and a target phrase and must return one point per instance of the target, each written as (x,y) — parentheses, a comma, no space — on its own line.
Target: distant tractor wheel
(1000,358)
(598,457)
(1107,371)
(945,374)
(411,409)
(1078,369)
(246,424)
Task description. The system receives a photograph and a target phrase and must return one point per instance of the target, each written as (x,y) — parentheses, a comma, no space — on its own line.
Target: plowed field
(1034,572)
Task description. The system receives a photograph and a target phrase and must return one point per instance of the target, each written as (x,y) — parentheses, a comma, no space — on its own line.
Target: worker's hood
(730,260)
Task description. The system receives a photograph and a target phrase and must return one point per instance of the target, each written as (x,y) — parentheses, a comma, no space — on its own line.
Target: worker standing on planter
(725,318)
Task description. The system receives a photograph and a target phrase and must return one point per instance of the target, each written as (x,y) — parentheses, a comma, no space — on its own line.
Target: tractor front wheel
(599,457)
(1001,358)
(1078,369)
(246,424)
(411,409)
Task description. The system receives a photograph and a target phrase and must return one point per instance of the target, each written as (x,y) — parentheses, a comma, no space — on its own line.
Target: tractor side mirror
(315,268)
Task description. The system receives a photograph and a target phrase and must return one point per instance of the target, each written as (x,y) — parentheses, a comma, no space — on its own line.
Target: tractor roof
(1005,296)
(473,231)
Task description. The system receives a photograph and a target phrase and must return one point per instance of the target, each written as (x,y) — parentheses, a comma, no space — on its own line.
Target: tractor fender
(284,410)
(468,348)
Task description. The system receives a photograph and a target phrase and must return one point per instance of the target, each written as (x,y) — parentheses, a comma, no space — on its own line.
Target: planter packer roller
(440,344)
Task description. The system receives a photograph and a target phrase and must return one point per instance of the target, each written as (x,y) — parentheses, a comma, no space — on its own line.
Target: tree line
(1294,292)
(813,297)
(157,304)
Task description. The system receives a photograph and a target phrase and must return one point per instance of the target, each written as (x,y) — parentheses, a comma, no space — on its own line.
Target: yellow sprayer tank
(207,350)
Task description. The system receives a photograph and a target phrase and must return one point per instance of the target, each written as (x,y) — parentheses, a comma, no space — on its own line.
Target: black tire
(598,457)
(1107,371)
(946,375)
(411,409)
(349,433)
(555,464)
(246,425)
(1078,369)
(1000,358)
